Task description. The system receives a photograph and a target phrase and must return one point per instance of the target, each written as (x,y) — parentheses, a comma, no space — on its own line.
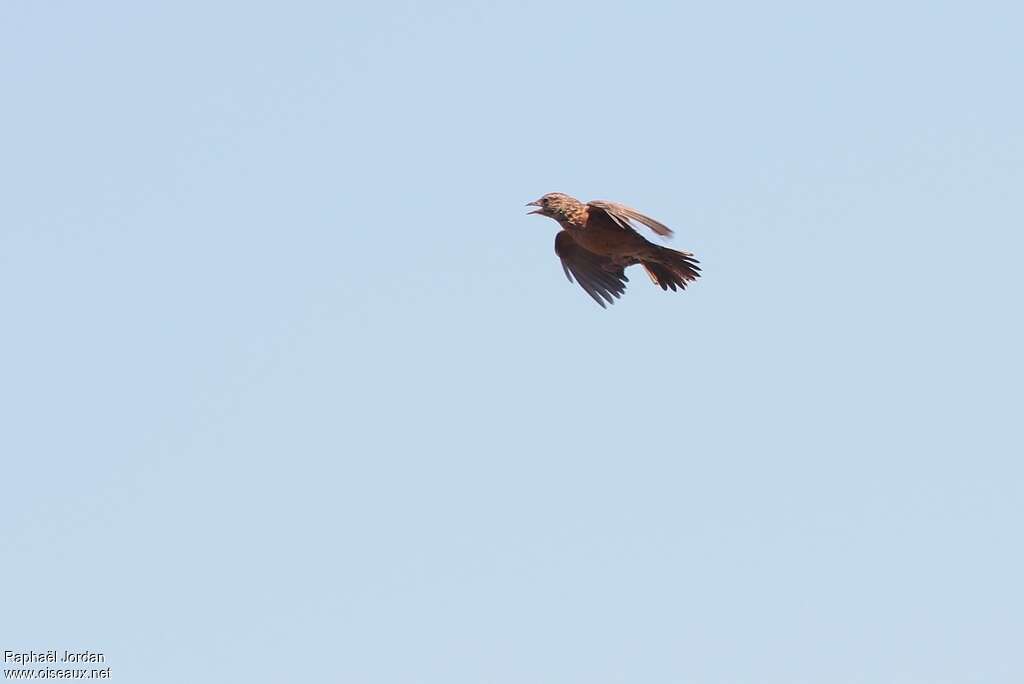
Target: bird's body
(597,243)
(603,237)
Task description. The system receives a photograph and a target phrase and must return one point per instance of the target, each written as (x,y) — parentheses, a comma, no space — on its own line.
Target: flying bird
(598,241)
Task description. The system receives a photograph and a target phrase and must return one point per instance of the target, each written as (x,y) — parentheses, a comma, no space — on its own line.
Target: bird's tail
(671,269)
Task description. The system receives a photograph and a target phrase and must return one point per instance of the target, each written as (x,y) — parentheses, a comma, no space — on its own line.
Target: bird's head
(556,205)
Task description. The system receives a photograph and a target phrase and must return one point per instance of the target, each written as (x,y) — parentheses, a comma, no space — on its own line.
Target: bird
(598,241)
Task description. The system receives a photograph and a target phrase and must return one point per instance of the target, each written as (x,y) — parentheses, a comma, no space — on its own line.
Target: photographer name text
(54,656)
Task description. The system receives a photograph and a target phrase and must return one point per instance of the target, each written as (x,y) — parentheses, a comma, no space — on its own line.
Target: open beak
(534,203)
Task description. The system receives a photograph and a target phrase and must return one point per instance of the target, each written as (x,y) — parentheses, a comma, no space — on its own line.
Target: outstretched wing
(595,274)
(623,215)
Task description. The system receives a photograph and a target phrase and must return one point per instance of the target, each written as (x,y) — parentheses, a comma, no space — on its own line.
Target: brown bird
(597,242)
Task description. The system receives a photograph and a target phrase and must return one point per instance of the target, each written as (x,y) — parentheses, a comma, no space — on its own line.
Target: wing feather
(594,273)
(623,216)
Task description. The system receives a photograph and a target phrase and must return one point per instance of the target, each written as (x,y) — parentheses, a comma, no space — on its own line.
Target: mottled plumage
(598,241)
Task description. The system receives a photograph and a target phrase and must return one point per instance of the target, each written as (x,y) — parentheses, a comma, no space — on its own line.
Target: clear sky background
(292,389)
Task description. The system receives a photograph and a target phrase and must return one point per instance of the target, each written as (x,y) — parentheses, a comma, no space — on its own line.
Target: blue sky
(293,390)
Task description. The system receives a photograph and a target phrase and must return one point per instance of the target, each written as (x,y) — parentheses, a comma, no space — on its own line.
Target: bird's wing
(623,215)
(593,272)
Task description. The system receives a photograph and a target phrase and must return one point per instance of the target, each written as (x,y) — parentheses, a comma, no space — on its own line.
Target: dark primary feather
(623,215)
(594,273)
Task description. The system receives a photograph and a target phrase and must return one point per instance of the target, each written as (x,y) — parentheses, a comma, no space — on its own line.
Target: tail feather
(671,269)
